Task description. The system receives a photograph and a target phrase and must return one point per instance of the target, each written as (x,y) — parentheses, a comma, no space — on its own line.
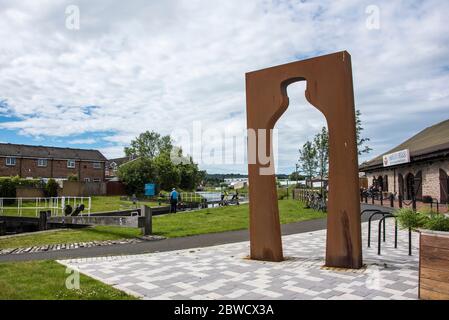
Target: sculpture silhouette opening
(329,89)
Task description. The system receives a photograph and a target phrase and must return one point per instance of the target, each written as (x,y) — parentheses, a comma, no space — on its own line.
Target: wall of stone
(430,177)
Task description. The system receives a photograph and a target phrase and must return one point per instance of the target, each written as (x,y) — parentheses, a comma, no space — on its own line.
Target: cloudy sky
(131,66)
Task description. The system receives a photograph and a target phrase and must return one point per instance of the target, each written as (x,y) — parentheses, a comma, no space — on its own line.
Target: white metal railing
(210,196)
(54,204)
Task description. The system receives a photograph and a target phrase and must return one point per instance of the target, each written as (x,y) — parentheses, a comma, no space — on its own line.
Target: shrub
(7,189)
(72,177)
(51,188)
(282,193)
(437,222)
(9,185)
(427,199)
(135,174)
(408,218)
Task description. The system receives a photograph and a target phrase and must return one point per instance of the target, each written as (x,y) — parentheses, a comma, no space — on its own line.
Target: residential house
(29,161)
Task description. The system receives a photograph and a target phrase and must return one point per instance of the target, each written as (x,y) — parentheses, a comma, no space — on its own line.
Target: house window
(70,163)
(10,161)
(97,165)
(86,179)
(97,180)
(41,162)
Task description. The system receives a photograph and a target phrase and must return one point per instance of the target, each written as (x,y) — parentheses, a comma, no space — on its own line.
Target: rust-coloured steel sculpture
(329,89)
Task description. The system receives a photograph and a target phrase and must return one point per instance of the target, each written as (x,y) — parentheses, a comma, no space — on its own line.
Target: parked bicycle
(316,202)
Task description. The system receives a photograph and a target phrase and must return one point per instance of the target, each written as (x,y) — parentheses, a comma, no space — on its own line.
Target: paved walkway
(224,272)
(203,240)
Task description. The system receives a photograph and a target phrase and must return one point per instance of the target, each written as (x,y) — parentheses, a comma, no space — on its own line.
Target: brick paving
(225,272)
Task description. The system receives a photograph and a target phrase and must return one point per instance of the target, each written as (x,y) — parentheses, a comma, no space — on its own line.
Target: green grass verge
(225,219)
(173,225)
(98,233)
(46,280)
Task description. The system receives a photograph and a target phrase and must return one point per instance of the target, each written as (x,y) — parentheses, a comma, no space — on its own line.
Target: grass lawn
(225,219)
(172,225)
(46,280)
(97,233)
(113,203)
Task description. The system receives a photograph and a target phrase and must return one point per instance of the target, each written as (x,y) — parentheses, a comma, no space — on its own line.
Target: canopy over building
(419,166)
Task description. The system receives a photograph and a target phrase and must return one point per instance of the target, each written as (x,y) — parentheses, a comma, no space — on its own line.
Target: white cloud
(161,65)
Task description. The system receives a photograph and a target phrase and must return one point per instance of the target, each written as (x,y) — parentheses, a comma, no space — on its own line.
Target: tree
(321,145)
(149,144)
(295,176)
(190,175)
(51,188)
(159,162)
(168,175)
(308,160)
(361,147)
(136,173)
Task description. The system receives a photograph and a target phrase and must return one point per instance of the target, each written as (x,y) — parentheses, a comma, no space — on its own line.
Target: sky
(95,74)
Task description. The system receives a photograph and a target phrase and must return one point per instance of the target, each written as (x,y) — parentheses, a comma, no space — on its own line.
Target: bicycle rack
(368,210)
(383,213)
(382,221)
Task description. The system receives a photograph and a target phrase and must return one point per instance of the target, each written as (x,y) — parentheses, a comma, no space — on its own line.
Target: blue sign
(150,189)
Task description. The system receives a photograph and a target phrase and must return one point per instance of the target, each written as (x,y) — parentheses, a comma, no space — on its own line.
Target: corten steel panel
(329,89)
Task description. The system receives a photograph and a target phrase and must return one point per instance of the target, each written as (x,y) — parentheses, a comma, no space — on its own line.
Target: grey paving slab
(224,272)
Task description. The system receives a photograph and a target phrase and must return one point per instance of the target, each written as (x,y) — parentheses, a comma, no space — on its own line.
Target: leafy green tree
(308,159)
(168,175)
(51,188)
(160,162)
(295,176)
(149,144)
(321,145)
(361,142)
(190,175)
(136,173)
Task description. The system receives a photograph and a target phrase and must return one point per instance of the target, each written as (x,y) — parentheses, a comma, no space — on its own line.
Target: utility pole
(296,171)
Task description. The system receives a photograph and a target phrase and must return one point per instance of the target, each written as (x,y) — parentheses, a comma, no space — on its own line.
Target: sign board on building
(150,189)
(399,157)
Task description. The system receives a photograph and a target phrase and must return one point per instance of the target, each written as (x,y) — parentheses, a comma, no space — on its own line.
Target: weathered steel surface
(330,90)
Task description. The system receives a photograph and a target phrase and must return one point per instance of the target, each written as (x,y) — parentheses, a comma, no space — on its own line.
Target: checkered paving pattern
(224,272)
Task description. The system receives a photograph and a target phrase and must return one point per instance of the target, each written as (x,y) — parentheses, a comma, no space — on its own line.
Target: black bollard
(409,241)
(391,200)
(42,220)
(2,228)
(400,201)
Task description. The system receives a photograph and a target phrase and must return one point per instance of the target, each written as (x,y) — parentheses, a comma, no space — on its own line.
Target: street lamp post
(296,171)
